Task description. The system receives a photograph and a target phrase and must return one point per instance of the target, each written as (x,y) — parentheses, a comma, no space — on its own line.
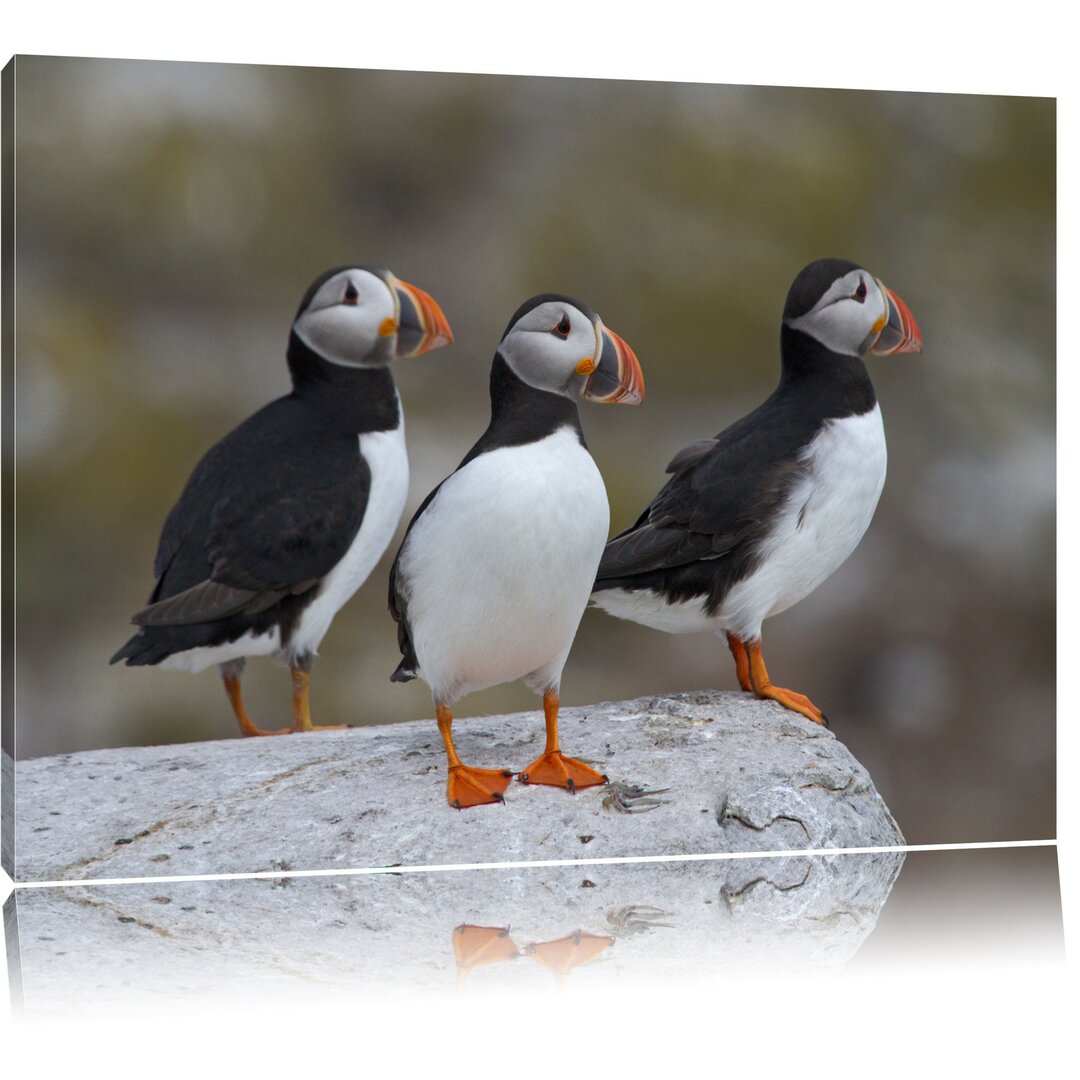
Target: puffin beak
(899,332)
(617,377)
(421,324)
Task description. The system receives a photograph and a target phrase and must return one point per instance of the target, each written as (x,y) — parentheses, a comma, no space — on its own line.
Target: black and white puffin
(284,518)
(756,518)
(497,566)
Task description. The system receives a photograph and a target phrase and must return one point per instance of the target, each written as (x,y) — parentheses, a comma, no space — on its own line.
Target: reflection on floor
(88,949)
(476,945)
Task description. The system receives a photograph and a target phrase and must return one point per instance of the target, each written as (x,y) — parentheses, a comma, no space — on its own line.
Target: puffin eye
(860,292)
(562,328)
(351,295)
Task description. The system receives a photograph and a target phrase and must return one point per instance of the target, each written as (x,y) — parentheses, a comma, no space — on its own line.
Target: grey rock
(89,947)
(691,773)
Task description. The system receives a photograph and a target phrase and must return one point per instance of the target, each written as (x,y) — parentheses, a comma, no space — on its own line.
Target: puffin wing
(399,600)
(719,499)
(260,518)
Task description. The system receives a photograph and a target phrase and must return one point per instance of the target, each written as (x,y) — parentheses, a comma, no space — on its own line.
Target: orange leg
(231,677)
(230,674)
(467,786)
(742,663)
(763,688)
(301,709)
(551,767)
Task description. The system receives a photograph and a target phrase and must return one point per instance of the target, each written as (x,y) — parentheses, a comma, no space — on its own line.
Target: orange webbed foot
(763,688)
(467,786)
(556,770)
(799,703)
(294,730)
(562,956)
(476,945)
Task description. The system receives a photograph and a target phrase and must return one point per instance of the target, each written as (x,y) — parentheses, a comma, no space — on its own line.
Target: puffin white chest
(385,454)
(821,523)
(501,564)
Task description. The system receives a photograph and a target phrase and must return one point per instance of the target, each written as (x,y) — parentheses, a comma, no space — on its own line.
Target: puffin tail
(141,649)
(403,672)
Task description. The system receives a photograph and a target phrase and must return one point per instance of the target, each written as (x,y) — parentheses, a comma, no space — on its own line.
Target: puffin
(497,565)
(753,520)
(284,518)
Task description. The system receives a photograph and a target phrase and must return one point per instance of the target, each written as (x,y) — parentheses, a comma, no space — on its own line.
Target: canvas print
(326,553)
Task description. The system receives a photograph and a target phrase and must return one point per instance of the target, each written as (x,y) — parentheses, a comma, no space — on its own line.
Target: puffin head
(560,345)
(850,311)
(363,316)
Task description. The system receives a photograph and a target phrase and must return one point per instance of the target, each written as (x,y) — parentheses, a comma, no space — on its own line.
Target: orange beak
(421,324)
(617,379)
(900,332)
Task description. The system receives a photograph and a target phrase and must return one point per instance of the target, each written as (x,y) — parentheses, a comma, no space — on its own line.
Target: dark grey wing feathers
(210,600)
(201,603)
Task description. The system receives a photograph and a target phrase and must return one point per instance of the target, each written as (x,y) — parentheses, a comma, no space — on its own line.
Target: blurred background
(171,215)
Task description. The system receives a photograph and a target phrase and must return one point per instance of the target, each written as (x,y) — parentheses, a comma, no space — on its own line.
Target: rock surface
(690,773)
(89,948)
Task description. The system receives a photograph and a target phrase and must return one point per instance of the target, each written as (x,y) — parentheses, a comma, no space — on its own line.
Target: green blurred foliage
(170,216)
